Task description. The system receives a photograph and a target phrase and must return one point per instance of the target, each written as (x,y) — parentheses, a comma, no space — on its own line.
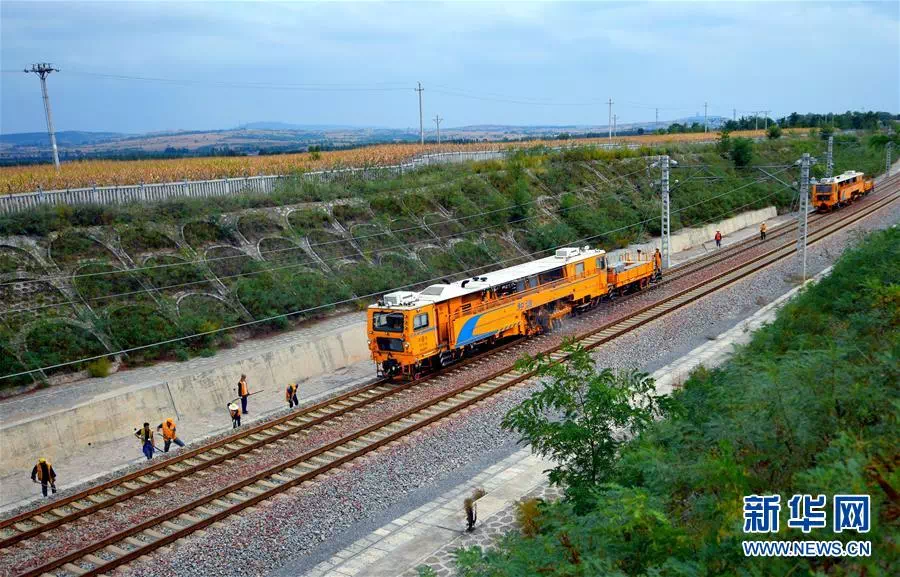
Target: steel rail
(263,485)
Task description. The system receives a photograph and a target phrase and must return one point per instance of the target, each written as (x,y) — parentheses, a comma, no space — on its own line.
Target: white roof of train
(441,292)
(839,178)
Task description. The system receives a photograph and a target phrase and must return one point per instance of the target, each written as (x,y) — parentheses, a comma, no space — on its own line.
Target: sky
(145,66)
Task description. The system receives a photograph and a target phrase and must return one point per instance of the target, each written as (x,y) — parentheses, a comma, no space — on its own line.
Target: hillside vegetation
(808,407)
(77,282)
(123,172)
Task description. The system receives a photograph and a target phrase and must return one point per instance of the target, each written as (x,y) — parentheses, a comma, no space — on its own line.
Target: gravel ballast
(309,521)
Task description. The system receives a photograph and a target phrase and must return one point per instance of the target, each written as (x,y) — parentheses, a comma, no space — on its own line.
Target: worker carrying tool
(169,435)
(243,392)
(235,415)
(44,474)
(145,436)
(290,395)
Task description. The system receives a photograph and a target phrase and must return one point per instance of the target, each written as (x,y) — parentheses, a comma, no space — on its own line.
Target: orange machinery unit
(413,332)
(837,191)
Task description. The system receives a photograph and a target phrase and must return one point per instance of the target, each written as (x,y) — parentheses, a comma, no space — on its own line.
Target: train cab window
(388,322)
(420,321)
(579,268)
(532,282)
(551,275)
(601,263)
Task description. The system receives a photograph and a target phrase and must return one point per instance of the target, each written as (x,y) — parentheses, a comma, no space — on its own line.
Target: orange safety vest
(718,236)
(234,412)
(40,470)
(290,391)
(168,429)
(242,388)
(762,228)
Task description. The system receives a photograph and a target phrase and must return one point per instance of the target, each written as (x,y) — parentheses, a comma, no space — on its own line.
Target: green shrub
(99,368)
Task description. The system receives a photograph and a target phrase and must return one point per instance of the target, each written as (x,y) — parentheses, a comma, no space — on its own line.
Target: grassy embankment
(211,263)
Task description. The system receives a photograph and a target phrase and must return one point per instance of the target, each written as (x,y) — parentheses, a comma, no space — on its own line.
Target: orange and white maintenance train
(410,333)
(837,191)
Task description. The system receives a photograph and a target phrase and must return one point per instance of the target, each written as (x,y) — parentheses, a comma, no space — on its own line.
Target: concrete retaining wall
(199,396)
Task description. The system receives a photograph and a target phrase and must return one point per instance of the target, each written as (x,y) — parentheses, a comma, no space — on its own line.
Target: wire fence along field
(104,174)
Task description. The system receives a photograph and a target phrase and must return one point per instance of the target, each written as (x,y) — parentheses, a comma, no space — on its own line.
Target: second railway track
(107,553)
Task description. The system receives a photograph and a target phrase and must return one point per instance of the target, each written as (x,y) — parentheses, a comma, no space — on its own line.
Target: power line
(336,303)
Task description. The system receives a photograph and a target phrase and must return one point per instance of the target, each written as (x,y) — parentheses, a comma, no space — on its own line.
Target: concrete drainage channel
(184,520)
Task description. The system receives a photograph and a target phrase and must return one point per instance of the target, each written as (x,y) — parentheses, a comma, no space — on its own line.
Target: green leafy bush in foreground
(810,406)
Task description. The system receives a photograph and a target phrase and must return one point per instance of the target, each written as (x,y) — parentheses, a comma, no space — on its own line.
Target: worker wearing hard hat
(44,474)
(235,415)
(169,435)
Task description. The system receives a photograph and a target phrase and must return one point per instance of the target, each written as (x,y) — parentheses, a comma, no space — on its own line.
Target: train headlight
(405,344)
(368,341)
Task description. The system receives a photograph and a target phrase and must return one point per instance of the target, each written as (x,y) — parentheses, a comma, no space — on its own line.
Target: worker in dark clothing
(235,415)
(290,395)
(44,474)
(169,434)
(145,436)
(718,239)
(243,392)
(471,513)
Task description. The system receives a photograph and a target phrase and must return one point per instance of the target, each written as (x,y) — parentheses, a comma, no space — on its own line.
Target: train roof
(839,178)
(442,292)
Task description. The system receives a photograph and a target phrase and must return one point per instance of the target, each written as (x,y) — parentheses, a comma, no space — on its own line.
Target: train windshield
(823,188)
(388,322)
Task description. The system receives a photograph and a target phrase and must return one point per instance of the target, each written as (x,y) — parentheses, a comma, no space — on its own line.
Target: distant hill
(64,138)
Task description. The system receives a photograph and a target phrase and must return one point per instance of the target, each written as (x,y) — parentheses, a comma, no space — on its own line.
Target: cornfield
(88,173)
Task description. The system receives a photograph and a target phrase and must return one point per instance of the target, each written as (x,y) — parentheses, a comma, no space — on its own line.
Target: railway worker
(235,415)
(718,239)
(471,513)
(145,436)
(290,395)
(44,474)
(243,392)
(762,232)
(169,434)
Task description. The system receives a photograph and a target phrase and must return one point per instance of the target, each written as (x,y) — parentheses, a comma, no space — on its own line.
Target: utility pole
(756,120)
(437,121)
(829,161)
(804,210)
(609,124)
(664,232)
(615,127)
(421,125)
(705,117)
(766,120)
(734,114)
(43,70)
(887,158)
(656,124)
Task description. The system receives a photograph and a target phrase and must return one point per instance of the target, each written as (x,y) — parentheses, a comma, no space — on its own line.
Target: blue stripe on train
(465,336)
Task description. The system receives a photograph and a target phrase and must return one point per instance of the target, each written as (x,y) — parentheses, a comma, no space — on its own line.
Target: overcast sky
(480,63)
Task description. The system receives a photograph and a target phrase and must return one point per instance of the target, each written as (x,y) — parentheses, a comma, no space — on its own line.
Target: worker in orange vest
(762,232)
(718,239)
(44,474)
(235,415)
(169,435)
(290,395)
(243,392)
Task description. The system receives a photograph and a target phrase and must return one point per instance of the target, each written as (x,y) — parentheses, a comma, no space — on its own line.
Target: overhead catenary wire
(329,305)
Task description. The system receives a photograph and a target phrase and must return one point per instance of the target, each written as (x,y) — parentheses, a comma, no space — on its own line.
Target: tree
(723,144)
(742,151)
(826,131)
(581,416)
(774,132)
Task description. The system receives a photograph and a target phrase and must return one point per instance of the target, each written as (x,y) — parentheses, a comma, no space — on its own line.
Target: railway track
(114,550)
